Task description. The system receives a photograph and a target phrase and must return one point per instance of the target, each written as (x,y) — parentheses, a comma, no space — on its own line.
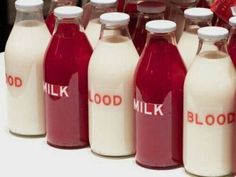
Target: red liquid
(232,47)
(140,33)
(131,9)
(50,22)
(66,64)
(159,80)
(121,5)
(203,3)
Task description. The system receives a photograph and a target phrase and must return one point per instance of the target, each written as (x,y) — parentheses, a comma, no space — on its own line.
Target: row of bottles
(91,87)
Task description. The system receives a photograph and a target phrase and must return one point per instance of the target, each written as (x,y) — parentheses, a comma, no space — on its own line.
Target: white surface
(198,13)
(28,5)
(232,21)
(115,18)
(161,26)
(213,32)
(68,12)
(106,3)
(25,157)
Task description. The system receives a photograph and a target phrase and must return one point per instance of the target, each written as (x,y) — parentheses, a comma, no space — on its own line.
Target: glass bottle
(195,18)
(24,53)
(65,81)
(158,99)
(232,40)
(51,19)
(209,107)
(177,8)
(148,10)
(130,8)
(93,28)
(111,70)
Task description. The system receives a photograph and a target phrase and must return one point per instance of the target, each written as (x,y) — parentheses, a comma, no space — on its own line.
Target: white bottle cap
(28,5)
(151,7)
(198,13)
(232,21)
(213,33)
(107,3)
(161,26)
(115,18)
(68,12)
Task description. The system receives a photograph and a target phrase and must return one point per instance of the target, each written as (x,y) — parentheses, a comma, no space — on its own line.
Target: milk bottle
(111,70)
(24,69)
(188,43)
(94,26)
(177,8)
(209,107)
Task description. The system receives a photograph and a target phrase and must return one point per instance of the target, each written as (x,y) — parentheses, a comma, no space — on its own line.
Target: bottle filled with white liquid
(188,43)
(111,72)
(24,69)
(93,28)
(209,107)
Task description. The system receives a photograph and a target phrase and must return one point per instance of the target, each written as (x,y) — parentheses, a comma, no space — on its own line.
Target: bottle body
(111,125)
(24,74)
(65,87)
(158,104)
(209,114)
(130,8)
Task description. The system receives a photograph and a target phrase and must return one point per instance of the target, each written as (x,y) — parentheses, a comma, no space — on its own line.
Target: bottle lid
(115,18)
(151,7)
(198,13)
(28,5)
(161,26)
(68,12)
(232,21)
(213,33)
(107,3)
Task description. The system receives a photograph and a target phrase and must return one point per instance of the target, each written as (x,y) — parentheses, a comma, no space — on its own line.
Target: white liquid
(209,90)
(111,71)
(188,46)
(24,59)
(93,31)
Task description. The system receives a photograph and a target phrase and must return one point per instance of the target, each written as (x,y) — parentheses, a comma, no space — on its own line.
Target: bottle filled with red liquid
(65,81)
(120,5)
(130,8)
(158,99)
(51,19)
(232,40)
(149,10)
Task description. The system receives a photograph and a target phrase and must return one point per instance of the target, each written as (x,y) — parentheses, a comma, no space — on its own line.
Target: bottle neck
(192,25)
(68,27)
(59,3)
(183,5)
(115,33)
(97,11)
(36,15)
(149,16)
(212,46)
(162,37)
